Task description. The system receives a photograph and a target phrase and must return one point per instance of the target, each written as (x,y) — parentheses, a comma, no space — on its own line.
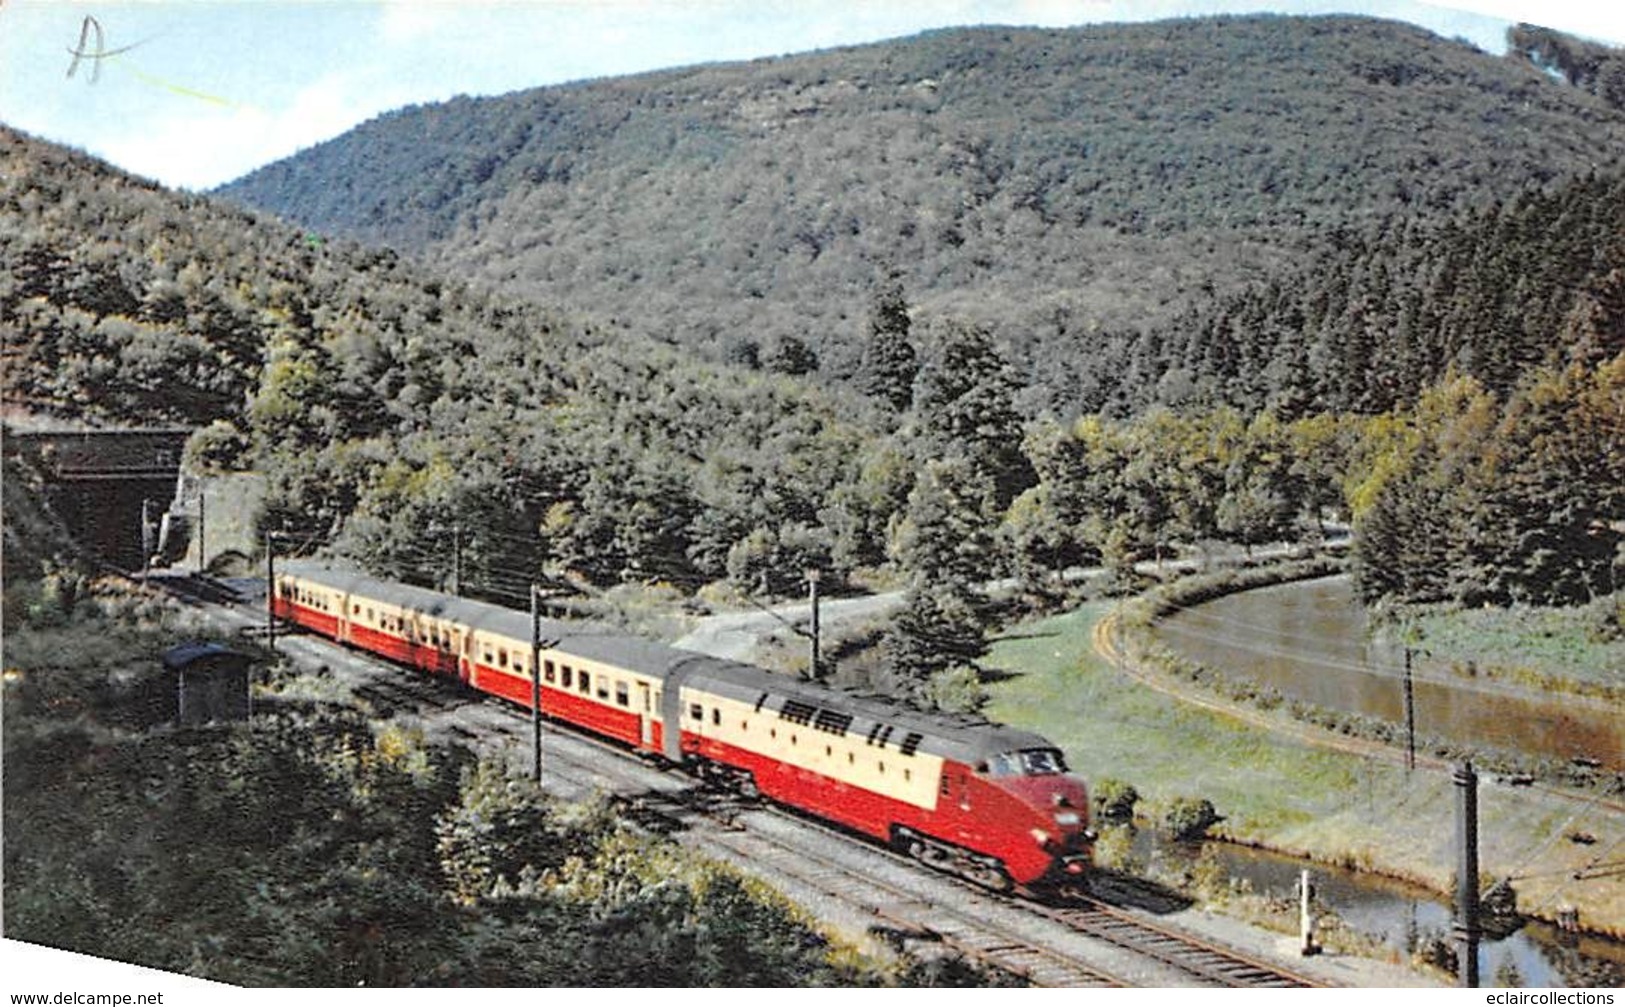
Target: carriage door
(646,715)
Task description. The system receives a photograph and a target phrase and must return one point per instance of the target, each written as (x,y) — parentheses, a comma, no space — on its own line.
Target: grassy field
(1566,649)
(1357,810)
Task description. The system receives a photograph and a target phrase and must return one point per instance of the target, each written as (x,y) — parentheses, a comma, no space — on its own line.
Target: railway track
(922,908)
(1201,958)
(904,913)
(677,804)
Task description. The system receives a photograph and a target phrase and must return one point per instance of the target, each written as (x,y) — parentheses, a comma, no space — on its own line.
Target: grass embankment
(1357,808)
(1578,651)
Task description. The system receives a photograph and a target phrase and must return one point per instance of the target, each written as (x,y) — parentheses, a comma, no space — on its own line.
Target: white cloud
(405,21)
(1602,21)
(203,149)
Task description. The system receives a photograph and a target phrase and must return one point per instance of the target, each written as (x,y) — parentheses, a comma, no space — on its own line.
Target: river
(1309,641)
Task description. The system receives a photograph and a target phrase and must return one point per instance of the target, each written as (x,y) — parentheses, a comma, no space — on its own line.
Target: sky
(194,93)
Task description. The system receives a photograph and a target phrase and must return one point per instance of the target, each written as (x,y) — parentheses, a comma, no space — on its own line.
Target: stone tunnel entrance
(96,482)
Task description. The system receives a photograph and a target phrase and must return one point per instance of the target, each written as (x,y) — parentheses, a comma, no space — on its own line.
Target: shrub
(1115,799)
(1190,817)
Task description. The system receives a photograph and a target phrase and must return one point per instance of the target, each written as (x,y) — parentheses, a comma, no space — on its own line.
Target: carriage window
(568,675)
(586,683)
(622,694)
(502,658)
(696,711)
(716,716)
(547,670)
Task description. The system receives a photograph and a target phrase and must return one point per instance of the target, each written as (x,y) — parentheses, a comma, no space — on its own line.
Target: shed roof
(187,654)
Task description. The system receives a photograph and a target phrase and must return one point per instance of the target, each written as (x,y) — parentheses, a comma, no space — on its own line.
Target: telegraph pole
(202,543)
(457,559)
(535,684)
(812,592)
(270,592)
(146,540)
(1466,927)
(1410,716)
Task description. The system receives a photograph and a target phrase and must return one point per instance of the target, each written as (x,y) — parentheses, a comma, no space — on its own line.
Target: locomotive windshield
(1030,762)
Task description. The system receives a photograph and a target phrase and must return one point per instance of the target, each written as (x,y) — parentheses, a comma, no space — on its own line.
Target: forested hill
(1061,184)
(1493,295)
(383,401)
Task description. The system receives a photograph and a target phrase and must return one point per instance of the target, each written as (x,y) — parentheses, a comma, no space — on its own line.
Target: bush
(956,690)
(1114,799)
(1190,817)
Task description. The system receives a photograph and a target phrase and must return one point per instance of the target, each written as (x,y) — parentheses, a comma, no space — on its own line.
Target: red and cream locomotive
(982,800)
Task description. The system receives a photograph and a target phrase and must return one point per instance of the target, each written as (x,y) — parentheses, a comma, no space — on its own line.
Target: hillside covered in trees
(384,402)
(1447,379)
(1065,187)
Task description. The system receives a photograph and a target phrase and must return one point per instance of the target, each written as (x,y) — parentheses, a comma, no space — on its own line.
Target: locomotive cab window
(1030,762)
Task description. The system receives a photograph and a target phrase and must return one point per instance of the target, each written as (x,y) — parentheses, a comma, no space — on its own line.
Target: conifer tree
(889,362)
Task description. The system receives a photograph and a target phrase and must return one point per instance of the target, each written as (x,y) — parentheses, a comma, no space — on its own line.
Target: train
(988,802)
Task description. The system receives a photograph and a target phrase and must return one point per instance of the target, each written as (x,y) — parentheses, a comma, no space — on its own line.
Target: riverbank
(1291,787)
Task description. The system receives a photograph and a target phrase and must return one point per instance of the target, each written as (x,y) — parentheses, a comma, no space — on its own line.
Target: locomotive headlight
(1066,818)
(1041,837)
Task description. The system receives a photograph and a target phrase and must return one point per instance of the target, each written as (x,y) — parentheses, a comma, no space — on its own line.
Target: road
(735,635)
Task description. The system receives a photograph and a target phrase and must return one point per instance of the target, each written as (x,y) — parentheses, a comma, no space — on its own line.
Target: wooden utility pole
(457,559)
(146,540)
(202,543)
(812,593)
(1410,716)
(536,684)
(270,591)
